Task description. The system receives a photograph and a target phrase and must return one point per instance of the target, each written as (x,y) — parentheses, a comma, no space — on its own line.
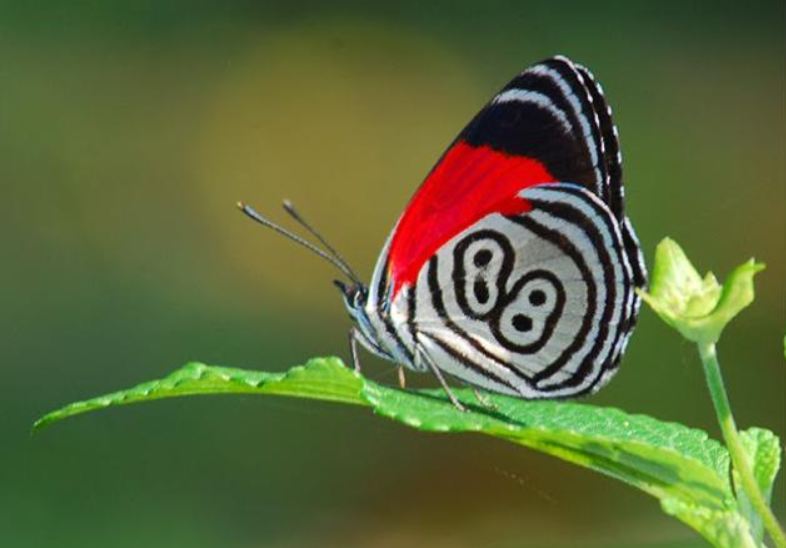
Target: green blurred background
(129,130)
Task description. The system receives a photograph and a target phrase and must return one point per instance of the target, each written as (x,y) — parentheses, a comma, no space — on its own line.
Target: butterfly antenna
(289,207)
(250,212)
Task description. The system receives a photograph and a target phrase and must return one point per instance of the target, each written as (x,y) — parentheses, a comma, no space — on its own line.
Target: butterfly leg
(402,378)
(483,400)
(441,379)
(353,349)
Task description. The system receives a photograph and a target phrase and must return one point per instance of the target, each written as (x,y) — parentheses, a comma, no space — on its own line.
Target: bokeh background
(129,130)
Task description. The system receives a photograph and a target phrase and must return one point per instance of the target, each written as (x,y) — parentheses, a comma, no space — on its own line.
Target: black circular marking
(482,258)
(481,291)
(537,297)
(522,323)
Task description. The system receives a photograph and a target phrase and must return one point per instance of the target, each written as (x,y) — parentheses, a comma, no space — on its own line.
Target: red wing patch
(469,183)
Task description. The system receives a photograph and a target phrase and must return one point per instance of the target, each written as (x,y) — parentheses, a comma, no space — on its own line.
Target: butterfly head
(356,300)
(354,295)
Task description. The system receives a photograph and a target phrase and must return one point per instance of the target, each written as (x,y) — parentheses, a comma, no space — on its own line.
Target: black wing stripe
(412,312)
(390,329)
(382,287)
(633,250)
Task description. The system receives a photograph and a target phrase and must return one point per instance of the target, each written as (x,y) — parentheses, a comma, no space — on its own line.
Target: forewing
(549,124)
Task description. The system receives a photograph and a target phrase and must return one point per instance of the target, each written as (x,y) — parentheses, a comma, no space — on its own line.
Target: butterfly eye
(359,298)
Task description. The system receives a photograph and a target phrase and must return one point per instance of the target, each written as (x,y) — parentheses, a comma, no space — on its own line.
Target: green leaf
(763,450)
(323,379)
(741,527)
(723,528)
(699,308)
(663,459)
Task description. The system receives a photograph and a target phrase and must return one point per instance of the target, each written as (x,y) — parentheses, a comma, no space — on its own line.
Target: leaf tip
(756,266)
(41,424)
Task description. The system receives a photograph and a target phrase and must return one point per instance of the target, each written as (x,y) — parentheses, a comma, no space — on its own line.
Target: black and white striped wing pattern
(537,305)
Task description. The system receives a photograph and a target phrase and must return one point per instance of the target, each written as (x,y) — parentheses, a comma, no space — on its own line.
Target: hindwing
(538,304)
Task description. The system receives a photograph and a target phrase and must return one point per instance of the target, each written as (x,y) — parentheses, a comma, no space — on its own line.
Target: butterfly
(513,268)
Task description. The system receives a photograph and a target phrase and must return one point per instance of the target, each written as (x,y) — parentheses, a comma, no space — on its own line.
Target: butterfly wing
(513,267)
(549,124)
(538,304)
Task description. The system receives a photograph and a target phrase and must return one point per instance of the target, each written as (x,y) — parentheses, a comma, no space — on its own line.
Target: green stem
(739,457)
